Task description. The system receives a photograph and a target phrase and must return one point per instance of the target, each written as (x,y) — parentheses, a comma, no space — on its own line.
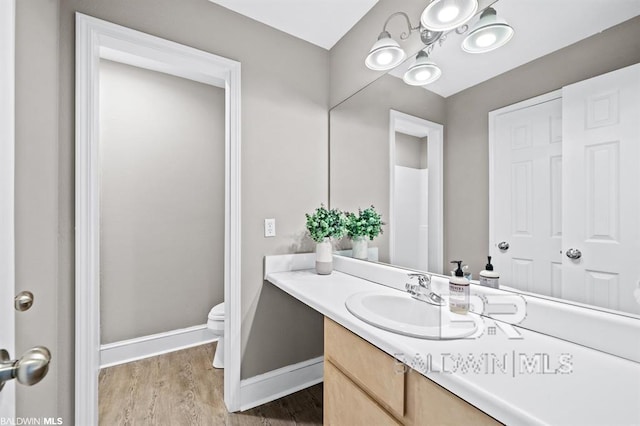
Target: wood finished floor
(182,388)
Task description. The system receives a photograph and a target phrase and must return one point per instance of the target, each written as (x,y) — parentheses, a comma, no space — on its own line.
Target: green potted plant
(323,225)
(362,227)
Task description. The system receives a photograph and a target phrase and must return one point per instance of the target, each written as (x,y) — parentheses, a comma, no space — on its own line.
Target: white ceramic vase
(324,257)
(360,247)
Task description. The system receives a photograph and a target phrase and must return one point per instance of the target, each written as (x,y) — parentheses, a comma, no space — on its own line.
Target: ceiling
(541,27)
(321,22)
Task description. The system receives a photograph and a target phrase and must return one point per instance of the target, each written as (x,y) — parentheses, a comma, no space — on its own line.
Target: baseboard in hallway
(182,388)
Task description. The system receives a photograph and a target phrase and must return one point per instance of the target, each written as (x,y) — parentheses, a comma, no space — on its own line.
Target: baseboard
(156,344)
(284,381)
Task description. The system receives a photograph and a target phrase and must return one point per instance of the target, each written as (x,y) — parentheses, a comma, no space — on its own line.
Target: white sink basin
(400,313)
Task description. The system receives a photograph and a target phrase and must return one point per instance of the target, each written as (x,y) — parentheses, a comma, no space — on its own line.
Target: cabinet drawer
(377,373)
(346,404)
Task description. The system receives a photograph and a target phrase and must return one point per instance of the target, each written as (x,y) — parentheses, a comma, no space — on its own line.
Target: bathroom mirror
(361,169)
(387,149)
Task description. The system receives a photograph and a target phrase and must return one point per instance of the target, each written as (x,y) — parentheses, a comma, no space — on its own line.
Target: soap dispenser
(458,291)
(488,277)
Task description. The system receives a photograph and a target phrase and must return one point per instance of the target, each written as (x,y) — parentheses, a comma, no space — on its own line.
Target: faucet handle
(424,280)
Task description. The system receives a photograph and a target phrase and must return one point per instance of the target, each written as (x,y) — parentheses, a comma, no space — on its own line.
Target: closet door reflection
(601,209)
(527,197)
(565,193)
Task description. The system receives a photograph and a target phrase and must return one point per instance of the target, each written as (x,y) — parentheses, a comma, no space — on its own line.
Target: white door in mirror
(527,197)
(565,192)
(601,199)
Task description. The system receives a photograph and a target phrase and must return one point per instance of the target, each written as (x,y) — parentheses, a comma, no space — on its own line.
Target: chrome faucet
(422,290)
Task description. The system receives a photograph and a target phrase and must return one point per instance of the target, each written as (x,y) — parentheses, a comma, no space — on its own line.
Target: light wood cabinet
(365,386)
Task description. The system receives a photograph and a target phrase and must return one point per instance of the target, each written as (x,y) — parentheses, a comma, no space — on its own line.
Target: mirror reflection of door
(410,198)
(527,195)
(570,214)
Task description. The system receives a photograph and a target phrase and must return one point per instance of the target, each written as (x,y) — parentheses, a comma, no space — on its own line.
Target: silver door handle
(503,245)
(28,370)
(23,301)
(574,253)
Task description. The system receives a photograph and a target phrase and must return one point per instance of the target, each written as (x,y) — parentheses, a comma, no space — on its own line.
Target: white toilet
(215,323)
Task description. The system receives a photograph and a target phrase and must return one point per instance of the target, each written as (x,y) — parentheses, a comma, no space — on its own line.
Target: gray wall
(359,145)
(284,137)
(162,201)
(466,155)
(411,151)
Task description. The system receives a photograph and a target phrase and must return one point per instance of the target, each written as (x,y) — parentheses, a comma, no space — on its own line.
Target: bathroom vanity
(364,385)
(497,375)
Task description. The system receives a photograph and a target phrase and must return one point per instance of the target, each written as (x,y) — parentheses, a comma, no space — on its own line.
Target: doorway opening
(100,40)
(415,197)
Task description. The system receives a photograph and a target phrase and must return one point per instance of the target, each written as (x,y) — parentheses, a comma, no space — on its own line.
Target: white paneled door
(565,192)
(526,197)
(601,212)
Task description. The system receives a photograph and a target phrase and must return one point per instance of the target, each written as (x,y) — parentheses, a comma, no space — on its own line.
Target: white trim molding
(284,381)
(97,39)
(7,194)
(405,123)
(130,350)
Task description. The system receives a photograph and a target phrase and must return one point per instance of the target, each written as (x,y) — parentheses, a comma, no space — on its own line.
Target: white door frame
(97,39)
(408,124)
(7,167)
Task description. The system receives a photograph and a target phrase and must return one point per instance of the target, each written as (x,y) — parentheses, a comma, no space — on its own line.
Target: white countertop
(596,388)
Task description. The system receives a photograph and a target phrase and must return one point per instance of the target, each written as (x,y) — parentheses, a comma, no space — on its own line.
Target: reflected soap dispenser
(458,291)
(488,277)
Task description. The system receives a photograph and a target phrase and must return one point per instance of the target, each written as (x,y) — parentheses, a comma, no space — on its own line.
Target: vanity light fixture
(423,71)
(385,54)
(489,33)
(446,15)
(437,21)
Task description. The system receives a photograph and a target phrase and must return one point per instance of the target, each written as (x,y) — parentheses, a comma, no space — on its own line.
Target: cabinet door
(347,404)
(601,189)
(377,373)
(430,404)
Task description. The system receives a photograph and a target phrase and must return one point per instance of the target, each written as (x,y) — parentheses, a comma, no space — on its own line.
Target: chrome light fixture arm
(427,36)
(404,35)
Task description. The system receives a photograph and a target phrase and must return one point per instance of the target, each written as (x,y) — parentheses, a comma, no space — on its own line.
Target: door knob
(574,253)
(23,301)
(28,370)
(503,245)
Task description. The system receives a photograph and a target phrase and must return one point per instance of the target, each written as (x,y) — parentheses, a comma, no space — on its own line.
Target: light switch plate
(270,227)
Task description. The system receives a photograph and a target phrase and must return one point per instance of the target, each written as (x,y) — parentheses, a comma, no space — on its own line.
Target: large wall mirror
(363,170)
